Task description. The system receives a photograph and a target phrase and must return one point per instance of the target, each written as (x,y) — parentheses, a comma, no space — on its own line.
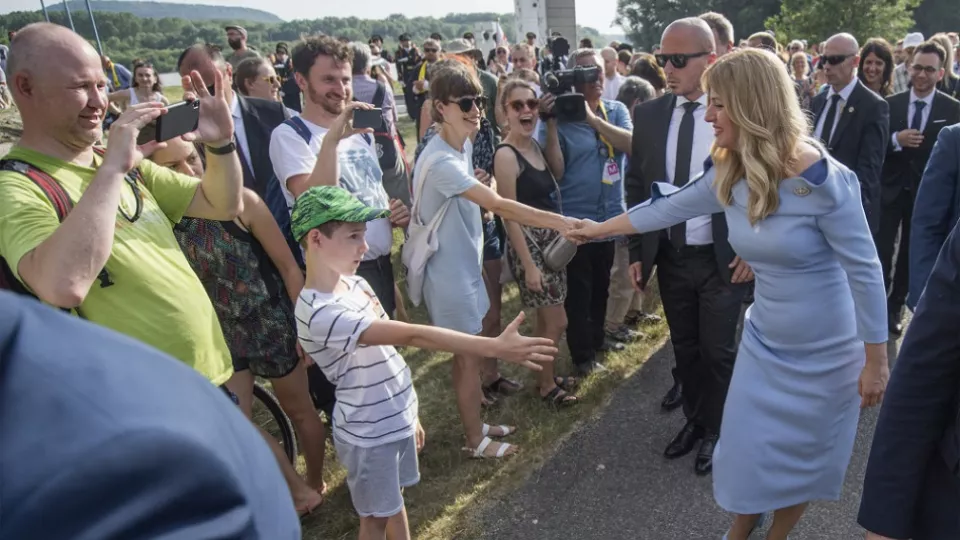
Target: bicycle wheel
(268,414)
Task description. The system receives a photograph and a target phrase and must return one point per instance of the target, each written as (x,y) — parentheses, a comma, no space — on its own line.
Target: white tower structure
(544,17)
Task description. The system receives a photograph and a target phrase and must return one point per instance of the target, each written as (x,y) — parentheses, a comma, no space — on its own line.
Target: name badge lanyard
(611,171)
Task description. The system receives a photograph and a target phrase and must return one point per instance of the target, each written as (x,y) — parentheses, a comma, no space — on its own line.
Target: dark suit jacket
(937,209)
(648,165)
(260,118)
(104,438)
(903,169)
(860,142)
(918,422)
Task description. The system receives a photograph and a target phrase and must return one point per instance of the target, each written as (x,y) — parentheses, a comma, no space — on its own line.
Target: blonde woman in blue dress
(813,350)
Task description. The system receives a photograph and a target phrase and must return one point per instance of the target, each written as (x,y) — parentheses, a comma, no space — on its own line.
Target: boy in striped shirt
(343,328)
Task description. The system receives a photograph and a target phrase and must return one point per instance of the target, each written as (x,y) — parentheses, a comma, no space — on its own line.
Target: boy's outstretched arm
(509,346)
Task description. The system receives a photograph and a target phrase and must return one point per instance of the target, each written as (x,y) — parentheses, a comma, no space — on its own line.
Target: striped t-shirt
(376,402)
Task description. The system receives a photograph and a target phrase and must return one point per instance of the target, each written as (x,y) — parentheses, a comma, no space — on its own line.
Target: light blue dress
(791,413)
(453,286)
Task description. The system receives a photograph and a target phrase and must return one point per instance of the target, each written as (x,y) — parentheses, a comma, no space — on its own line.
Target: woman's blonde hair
(759,98)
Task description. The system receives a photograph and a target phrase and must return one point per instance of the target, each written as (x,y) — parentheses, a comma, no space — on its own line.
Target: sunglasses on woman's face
(466,103)
(518,105)
(272,79)
(430,50)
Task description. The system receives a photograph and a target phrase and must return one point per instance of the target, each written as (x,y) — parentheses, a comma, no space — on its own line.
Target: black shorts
(268,368)
(378,273)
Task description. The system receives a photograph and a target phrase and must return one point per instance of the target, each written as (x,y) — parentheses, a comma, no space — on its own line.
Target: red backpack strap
(50,187)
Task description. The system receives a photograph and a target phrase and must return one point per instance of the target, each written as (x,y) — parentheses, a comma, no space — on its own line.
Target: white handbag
(422,241)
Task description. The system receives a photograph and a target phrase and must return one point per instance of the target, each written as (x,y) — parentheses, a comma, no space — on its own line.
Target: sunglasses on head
(466,103)
(835,59)
(679,61)
(518,105)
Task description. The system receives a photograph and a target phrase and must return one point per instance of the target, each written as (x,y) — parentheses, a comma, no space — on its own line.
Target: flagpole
(93,23)
(69,16)
(43,6)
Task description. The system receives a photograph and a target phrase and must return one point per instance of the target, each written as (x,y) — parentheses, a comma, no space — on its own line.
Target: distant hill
(160,10)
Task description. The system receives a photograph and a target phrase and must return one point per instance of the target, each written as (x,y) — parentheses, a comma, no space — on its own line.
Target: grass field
(453,487)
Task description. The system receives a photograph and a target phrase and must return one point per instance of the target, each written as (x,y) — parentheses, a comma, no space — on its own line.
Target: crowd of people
(262,244)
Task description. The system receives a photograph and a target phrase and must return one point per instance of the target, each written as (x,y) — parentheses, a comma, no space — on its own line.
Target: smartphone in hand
(367,118)
(180,119)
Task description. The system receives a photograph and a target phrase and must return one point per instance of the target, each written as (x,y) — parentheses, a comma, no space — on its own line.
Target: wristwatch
(221,150)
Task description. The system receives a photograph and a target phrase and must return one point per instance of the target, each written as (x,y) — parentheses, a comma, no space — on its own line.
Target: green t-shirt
(156,297)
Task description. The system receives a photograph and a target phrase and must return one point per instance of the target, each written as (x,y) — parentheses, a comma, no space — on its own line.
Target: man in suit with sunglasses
(852,121)
(700,276)
(916,118)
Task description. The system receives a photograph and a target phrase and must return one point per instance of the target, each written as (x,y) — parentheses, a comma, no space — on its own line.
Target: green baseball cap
(322,204)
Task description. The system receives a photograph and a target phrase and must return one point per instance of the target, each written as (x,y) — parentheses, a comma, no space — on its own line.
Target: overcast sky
(596,13)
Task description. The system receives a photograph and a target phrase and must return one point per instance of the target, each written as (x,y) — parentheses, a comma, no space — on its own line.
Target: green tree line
(813,20)
(161,40)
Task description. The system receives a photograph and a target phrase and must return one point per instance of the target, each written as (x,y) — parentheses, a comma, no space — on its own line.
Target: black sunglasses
(430,50)
(835,59)
(917,68)
(532,104)
(466,103)
(679,61)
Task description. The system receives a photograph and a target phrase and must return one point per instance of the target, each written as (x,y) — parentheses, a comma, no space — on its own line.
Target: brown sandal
(503,386)
(560,398)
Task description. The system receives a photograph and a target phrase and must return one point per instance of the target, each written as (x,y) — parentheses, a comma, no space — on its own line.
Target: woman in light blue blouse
(816,335)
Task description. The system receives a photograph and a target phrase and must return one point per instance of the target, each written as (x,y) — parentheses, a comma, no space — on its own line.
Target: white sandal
(507,430)
(478,452)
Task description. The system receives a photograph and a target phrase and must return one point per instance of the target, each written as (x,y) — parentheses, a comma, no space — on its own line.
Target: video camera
(570,106)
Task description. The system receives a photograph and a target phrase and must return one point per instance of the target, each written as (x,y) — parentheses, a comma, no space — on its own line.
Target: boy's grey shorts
(376,475)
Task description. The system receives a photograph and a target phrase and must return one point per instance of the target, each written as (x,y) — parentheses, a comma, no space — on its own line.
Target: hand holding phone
(343,126)
(367,118)
(180,119)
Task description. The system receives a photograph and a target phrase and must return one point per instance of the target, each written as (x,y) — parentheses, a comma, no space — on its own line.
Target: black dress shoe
(610,345)
(684,442)
(704,463)
(674,397)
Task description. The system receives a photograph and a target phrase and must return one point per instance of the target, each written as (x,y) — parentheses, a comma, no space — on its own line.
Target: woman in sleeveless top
(253,281)
(146,87)
(523,174)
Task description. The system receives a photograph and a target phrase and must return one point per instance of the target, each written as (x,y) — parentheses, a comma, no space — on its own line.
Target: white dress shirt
(911,110)
(699,230)
(240,132)
(844,98)
(611,86)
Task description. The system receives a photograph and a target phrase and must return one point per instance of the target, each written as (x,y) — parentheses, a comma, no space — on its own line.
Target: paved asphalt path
(610,481)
